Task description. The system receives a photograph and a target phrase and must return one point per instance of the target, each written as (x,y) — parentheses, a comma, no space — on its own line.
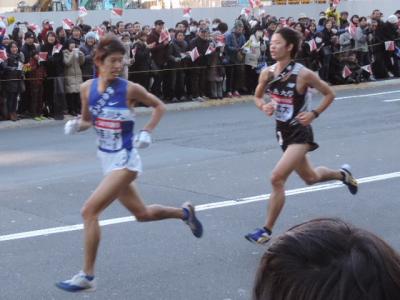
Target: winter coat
(177,54)
(54,64)
(159,52)
(234,44)
(12,73)
(88,65)
(72,71)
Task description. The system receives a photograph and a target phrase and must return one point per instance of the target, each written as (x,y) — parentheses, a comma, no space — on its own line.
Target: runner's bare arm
(136,93)
(86,119)
(265,76)
(310,79)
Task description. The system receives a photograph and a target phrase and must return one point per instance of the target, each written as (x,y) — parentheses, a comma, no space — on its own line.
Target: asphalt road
(209,156)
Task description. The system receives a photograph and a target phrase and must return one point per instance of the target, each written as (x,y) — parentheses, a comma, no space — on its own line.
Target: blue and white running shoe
(80,282)
(191,220)
(259,236)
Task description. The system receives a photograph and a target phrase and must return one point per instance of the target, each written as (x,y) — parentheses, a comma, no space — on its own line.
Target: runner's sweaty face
(111,66)
(279,48)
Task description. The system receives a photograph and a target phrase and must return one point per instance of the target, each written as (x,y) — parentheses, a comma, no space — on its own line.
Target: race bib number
(283,108)
(109,133)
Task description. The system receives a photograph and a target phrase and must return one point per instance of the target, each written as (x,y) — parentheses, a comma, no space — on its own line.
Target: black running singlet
(288,104)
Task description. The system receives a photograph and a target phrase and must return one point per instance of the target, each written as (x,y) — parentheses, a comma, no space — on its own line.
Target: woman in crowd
(142,61)
(88,68)
(73,59)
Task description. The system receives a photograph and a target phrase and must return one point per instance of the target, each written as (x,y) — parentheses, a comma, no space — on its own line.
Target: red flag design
(346,72)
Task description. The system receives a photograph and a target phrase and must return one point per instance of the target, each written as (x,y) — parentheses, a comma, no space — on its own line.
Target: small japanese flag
(367,68)
(117,12)
(82,12)
(186,12)
(352,29)
(67,24)
(245,11)
(336,2)
(194,54)
(33,27)
(346,72)
(100,32)
(210,50)
(43,56)
(252,3)
(164,36)
(57,48)
(220,40)
(312,44)
(389,46)
(133,52)
(3,55)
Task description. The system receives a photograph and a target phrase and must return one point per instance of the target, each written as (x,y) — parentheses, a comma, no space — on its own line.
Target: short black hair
(291,36)
(328,259)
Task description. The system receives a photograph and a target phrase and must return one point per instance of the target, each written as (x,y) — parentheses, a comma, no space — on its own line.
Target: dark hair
(222,27)
(108,45)
(291,36)
(362,18)
(328,259)
(12,42)
(353,17)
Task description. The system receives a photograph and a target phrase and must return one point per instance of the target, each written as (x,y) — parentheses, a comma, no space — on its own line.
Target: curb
(29,123)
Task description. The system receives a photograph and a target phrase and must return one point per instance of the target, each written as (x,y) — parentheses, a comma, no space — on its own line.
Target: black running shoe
(348,179)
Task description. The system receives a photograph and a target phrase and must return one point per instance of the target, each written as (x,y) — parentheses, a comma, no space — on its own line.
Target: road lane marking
(367,95)
(391,100)
(201,207)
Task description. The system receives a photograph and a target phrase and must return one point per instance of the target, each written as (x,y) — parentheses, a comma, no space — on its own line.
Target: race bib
(283,108)
(109,134)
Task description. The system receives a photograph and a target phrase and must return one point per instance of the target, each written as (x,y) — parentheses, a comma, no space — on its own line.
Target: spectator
(361,45)
(61,36)
(53,93)
(13,73)
(127,62)
(142,61)
(73,59)
(88,67)
(159,55)
(198,74)
(177,59)
(328,259)
(235,59)
(253,48)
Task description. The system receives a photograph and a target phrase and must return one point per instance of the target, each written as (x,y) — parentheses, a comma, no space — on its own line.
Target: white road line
(367,95)
(391,100)
(241,201)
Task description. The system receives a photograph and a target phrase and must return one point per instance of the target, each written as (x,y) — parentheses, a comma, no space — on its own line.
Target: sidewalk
(29,123)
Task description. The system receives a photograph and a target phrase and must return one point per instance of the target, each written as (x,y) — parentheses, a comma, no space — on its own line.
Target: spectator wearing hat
(198,72)
(88,67)
(73,59)
(235,59)
(53,93)
(159,56)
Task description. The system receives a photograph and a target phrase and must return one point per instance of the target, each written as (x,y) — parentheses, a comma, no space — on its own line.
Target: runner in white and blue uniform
(107,104)
(286,84)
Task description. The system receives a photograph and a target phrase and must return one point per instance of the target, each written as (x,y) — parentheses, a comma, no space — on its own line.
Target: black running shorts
(296,134)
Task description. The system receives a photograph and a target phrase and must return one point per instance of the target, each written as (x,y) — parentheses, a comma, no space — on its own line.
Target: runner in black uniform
(287,83)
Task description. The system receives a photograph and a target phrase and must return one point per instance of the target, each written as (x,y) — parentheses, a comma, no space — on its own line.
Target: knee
(277,180)
(88,213)
(143,216)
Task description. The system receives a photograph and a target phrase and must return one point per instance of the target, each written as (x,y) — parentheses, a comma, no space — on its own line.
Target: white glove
(72,126)
(143,139)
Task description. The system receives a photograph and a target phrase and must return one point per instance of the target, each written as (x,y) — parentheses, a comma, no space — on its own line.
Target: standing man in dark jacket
(159,55)
(198,74)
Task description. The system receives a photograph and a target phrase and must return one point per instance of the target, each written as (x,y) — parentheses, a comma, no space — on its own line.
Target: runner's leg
(130,198)
(289,161)
(312,175)
(103,196)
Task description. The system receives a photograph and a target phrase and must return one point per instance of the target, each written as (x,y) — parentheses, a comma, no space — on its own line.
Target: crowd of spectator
(41,69)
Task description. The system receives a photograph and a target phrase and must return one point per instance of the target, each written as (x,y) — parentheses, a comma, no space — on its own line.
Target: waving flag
(194,54)
(82,12)
(33,27)
(133,52)
(67,24)
(367,68)
(3,55)
(245,11)
(389,46)
(43,56)
(210,50)
(57,48)
(186,12)
(312,44)
(117,12)
(352,29)
(164,36)
(220,40)
(346,72)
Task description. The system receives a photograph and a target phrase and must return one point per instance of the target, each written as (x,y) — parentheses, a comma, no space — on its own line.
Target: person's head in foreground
(328,259)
